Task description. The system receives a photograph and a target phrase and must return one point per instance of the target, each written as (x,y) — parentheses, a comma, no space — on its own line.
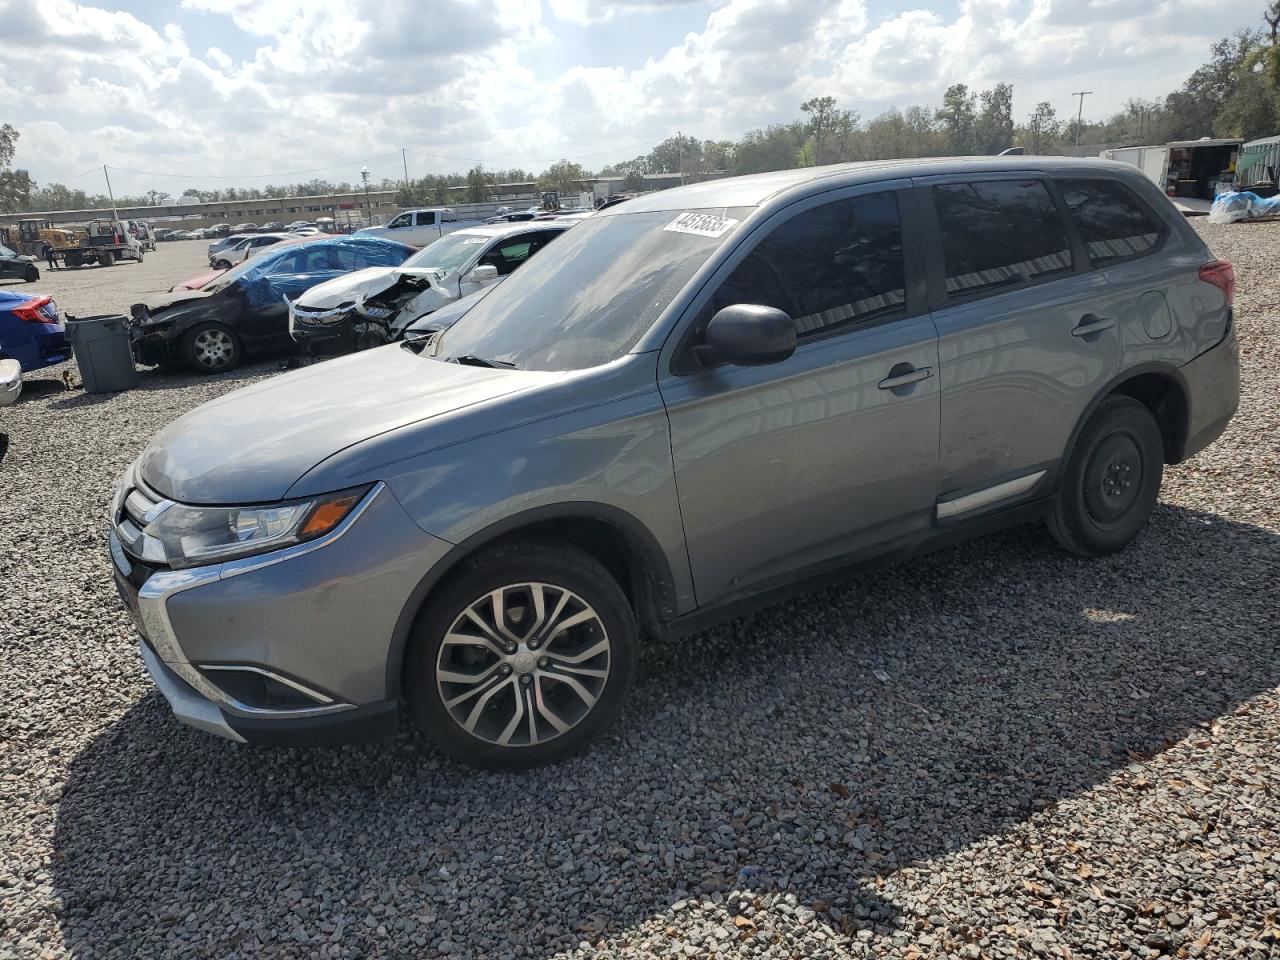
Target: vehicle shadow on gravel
(814,748)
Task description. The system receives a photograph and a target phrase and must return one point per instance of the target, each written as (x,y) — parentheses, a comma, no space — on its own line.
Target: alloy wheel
(523,664)
(213,349)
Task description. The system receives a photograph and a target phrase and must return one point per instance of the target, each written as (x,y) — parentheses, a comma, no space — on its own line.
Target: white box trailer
(1187,169)
(1152,161)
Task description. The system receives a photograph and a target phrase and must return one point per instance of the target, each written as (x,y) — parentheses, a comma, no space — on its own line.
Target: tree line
(1235,94)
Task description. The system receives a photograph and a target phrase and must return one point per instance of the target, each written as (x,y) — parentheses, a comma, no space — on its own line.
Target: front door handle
(1090,324)
(903,374)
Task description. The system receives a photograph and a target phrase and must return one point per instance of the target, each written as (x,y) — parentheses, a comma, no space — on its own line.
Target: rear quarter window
(1114,225)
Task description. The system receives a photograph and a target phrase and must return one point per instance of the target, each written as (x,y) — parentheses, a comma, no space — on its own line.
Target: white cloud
(292,85)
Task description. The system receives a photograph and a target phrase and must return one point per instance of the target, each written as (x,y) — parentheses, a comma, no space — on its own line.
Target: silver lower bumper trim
(187,705)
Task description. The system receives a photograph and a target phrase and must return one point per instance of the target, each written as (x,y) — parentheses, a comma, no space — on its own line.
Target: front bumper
(341,330)
(317,620)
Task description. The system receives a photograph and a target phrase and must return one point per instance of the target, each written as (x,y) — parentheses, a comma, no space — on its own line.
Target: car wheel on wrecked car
(211,348)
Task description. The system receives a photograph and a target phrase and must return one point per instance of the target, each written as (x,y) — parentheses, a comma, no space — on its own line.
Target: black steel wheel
(1111,480)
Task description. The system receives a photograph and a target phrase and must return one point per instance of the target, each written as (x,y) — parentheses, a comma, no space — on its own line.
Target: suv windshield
(587,298)
(446,254)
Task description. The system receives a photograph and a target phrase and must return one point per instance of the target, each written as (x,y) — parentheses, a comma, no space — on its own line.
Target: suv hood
(252,445)
(359,286)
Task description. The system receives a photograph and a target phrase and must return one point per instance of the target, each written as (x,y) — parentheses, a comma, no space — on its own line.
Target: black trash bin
(102,352)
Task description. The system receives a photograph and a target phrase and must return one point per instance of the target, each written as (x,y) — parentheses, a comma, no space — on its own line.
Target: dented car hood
(359,286)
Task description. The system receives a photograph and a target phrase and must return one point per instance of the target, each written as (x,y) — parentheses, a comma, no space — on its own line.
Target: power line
(509,161)
(257,176)
(403,151)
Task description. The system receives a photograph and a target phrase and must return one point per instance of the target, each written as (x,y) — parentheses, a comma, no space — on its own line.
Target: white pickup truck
(418,228)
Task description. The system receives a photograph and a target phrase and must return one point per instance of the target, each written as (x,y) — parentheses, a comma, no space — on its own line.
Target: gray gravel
(995,751)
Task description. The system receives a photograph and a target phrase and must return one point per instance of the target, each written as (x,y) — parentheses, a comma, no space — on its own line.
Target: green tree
(1192,111)
(1043,128)
(477,185)
(560,177)
(633,182)
(15,185)
(993,127)
(957,118)
(678,154)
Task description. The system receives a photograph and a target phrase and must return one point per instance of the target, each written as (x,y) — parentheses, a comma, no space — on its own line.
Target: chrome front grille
(140,506)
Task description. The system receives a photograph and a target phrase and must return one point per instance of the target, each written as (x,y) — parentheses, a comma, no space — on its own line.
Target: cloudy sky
(240,92)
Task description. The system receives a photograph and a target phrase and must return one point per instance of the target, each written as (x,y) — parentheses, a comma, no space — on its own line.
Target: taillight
(34,311)
(1222,275)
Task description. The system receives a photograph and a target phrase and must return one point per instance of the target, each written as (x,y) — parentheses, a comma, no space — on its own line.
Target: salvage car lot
(998,750)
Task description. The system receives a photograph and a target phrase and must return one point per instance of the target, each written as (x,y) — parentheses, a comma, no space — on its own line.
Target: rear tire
(1111,480)
(211,348)
(570,680)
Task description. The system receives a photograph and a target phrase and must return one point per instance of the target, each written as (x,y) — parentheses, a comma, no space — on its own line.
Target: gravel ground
(93,290)
(995,751)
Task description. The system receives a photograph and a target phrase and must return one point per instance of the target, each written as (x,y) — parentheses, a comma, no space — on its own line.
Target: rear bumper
(1213,392)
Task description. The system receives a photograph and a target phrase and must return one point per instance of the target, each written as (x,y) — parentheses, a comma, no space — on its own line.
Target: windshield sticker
(701,224)
(469,240)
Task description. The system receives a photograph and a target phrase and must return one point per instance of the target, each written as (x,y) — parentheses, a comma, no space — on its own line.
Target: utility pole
(368,211)
(404,155)
(114,215)
(1080,113)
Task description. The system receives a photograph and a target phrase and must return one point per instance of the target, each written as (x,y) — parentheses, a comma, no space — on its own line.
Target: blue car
(31,330)
(245,311)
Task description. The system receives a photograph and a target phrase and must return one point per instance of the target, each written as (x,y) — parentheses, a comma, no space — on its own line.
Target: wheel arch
(1162,389)
(620,542)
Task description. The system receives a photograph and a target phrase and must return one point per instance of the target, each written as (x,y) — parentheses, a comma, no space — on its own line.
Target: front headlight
(374,310)
(192,536)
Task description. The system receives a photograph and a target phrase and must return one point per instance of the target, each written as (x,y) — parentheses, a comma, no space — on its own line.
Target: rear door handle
(1091,324)
(899,377)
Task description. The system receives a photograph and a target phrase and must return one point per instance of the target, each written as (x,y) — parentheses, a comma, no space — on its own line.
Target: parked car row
(244,311)
(373,306)
(681,407)
(327,294)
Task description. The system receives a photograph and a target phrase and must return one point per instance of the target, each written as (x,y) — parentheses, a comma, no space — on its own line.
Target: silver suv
(685,405)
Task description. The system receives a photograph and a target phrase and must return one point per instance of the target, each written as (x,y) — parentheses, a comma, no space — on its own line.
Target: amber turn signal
(328,515)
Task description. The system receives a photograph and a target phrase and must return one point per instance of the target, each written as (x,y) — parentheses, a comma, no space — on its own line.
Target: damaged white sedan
(371,307)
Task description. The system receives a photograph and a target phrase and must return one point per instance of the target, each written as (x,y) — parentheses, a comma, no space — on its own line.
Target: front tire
(211,348)
(222,265)
(523,658)
(31,274)
(1111,480)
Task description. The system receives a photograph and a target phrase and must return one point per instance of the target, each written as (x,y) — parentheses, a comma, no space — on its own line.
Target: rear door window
(1114,225)
(832,266)
(426,219)
(998,234)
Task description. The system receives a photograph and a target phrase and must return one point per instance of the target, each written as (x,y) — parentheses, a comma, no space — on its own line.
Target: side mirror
(747,334)
(483,273)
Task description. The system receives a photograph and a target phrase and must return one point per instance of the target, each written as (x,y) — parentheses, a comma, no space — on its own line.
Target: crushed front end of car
(365,320)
